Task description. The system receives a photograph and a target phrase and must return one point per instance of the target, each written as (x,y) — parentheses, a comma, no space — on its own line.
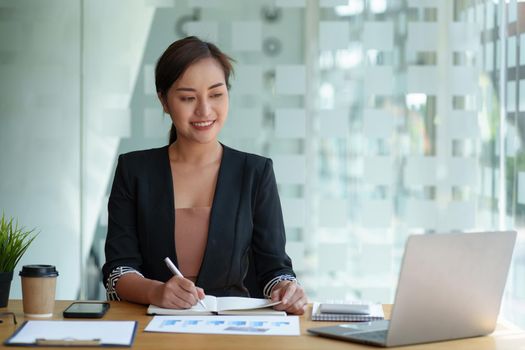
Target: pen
(176,272)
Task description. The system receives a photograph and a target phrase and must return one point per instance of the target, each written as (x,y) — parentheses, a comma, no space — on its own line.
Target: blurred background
(384,118)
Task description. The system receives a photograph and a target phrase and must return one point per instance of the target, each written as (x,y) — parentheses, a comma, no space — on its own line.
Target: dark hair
(178,57)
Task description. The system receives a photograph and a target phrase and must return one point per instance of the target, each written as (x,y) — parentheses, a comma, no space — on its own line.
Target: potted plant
(14,241)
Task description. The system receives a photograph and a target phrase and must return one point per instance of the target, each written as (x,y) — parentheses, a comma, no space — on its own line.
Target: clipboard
(74,333)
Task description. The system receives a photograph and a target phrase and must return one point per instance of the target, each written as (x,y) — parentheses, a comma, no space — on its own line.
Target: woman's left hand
(292,296)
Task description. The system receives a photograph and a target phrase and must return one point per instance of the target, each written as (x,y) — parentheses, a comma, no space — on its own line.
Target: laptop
(450,286)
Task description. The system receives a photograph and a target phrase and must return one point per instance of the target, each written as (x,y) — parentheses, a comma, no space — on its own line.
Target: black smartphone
(86,310)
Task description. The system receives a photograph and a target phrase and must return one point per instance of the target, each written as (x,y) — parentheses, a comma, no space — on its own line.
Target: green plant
(14,241)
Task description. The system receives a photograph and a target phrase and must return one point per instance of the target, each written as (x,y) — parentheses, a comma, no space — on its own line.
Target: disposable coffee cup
(38,289)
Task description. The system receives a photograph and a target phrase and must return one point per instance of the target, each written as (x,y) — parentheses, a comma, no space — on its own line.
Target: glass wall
(40,132)
(383,118)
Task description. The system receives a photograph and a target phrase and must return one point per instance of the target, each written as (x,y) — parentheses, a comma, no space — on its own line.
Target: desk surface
(503,338)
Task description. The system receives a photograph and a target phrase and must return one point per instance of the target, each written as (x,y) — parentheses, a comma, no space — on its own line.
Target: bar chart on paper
(247,325)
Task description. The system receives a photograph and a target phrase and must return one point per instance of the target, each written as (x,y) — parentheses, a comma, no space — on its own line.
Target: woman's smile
(203,125)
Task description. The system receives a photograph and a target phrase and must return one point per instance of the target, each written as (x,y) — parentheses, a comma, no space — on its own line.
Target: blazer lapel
(164,213)
(215,268)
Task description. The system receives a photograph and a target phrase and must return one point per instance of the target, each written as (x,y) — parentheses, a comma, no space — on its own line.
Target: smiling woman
(176,66)
(214,211)
(197,102)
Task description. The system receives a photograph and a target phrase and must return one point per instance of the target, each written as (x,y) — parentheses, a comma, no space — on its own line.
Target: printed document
(247,325)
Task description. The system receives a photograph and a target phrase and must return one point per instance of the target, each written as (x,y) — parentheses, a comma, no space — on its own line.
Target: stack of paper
(347,312)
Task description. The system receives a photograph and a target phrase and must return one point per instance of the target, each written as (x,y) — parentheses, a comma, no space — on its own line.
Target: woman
(211,209)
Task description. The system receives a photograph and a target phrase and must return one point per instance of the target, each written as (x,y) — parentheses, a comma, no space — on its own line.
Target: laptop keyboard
(374,336)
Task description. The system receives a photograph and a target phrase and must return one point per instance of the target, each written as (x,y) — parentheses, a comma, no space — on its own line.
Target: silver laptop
(450,286)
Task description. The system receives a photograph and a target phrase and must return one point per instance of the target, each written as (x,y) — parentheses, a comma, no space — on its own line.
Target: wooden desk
(502,338)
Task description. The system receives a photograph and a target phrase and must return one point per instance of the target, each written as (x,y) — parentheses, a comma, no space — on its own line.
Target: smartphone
(86,310)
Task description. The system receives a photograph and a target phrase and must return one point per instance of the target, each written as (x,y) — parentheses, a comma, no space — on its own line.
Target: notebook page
(209,300)
(240,303)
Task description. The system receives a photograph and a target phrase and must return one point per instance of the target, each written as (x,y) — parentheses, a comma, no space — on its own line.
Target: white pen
(176,272)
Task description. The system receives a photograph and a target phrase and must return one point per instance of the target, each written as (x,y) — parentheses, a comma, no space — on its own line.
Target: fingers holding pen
(183,292)
(196,292)
(184,288)
(168,295)
(200,293)
(176,293)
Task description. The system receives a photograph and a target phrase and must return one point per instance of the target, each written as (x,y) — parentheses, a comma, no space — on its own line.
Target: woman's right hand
(177,293)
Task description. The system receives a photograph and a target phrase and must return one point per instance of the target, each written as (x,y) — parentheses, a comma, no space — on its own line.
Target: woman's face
(198,102)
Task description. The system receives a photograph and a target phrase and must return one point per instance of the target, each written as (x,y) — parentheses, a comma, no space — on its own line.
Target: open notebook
(223,306)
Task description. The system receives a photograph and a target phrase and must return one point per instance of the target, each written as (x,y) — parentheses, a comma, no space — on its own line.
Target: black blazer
(246,220)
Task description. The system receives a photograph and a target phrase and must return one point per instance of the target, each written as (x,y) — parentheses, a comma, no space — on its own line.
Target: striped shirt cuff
(111,292)
(267,291)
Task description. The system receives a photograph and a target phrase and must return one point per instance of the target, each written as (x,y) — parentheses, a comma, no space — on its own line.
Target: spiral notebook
(375,313)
